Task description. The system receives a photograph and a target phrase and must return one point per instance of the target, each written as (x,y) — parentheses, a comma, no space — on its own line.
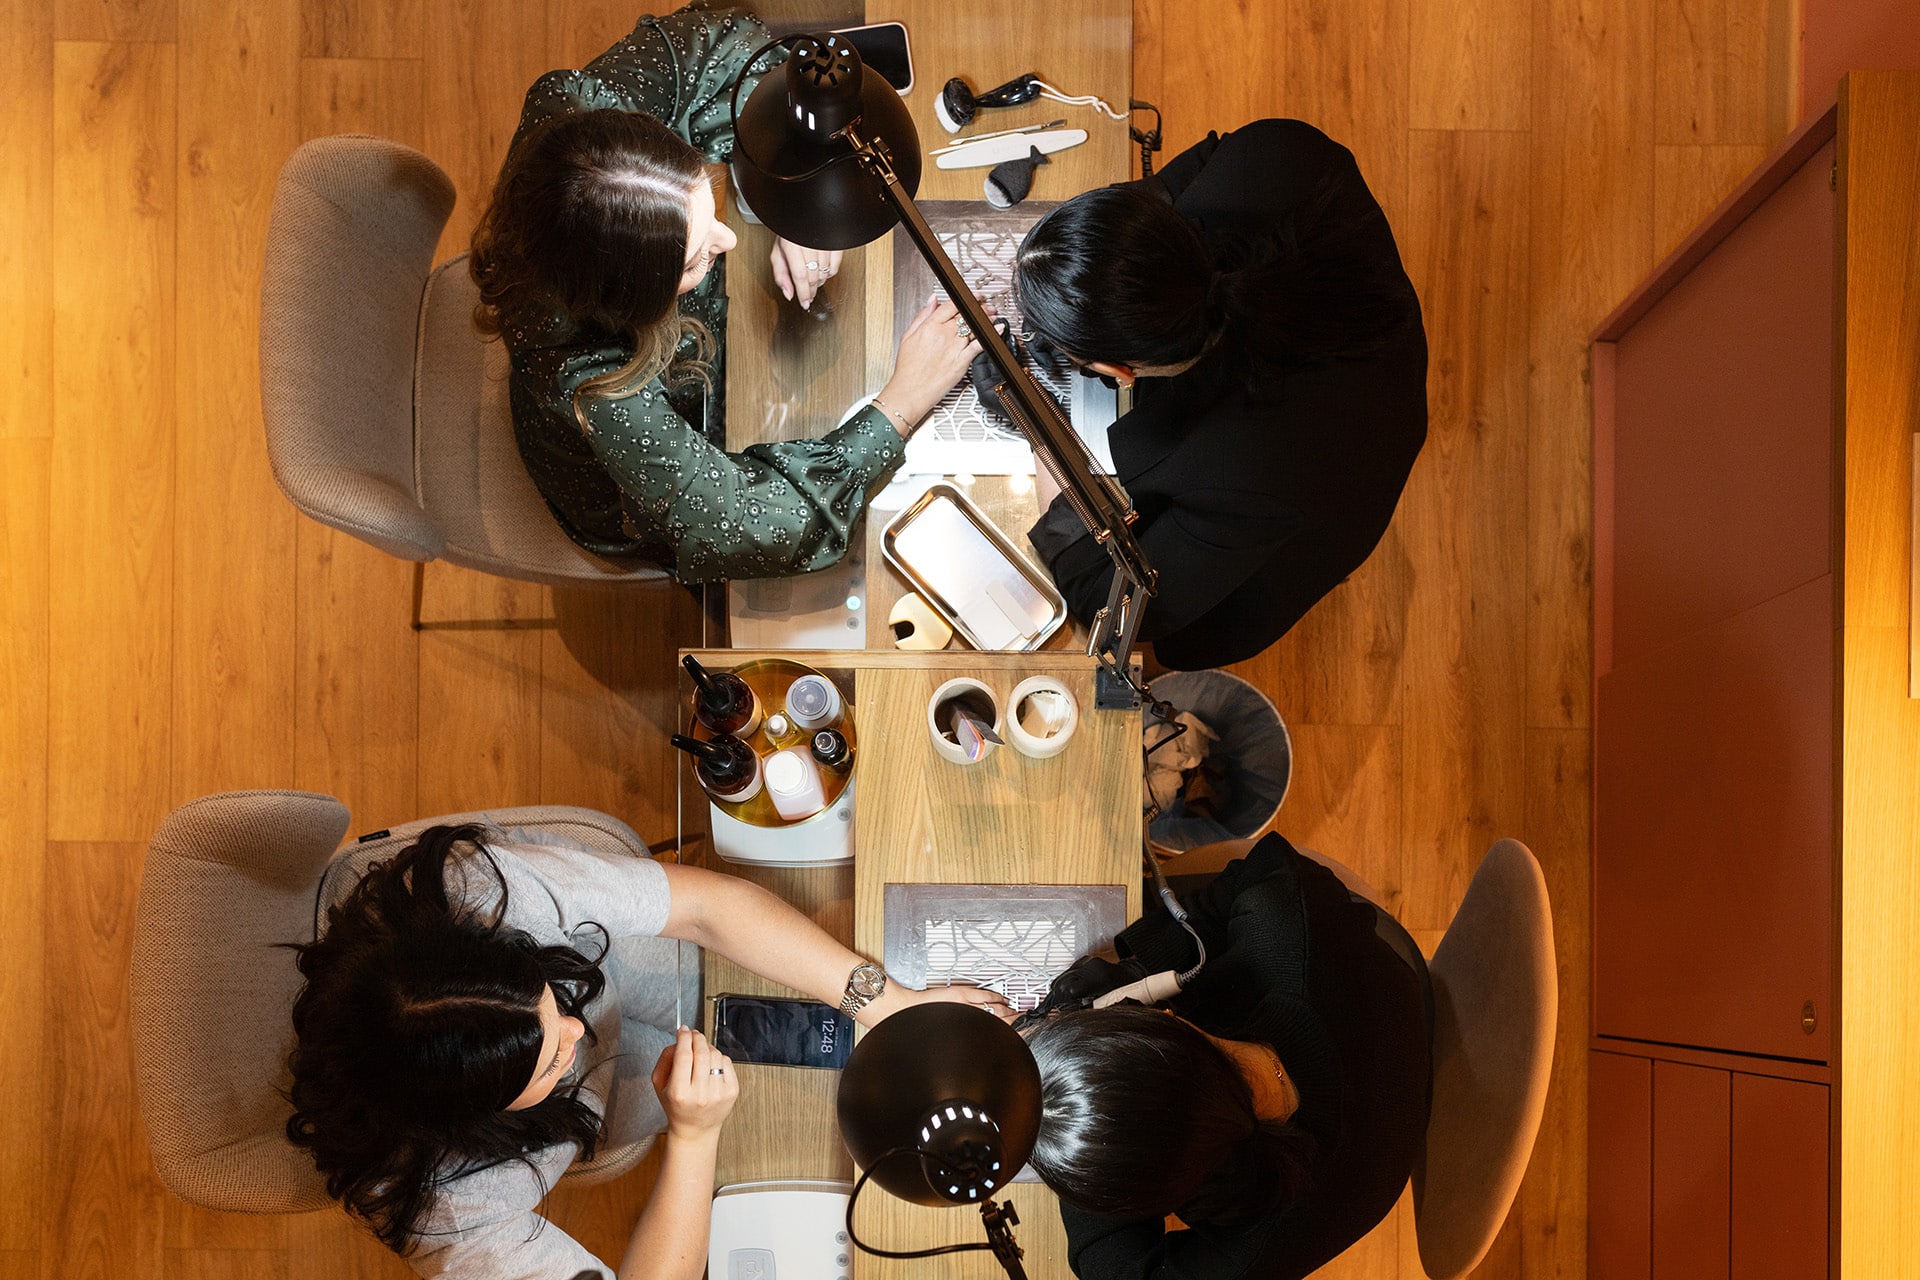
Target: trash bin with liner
(1253,746)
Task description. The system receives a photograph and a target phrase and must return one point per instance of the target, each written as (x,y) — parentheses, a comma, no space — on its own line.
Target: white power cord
(1081,100)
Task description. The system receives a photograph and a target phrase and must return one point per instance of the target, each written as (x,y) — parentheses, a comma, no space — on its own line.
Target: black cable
(1168,714)
(1149,139)
(864,1247)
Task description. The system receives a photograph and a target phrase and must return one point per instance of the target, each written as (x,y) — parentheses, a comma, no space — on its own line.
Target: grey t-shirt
(486,1225)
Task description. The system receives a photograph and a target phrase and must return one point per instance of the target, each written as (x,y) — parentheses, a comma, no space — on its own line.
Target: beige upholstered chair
(228,877)
(1496,1001)
(386,414)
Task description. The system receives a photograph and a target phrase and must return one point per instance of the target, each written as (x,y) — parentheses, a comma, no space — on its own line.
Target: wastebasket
(1252,746)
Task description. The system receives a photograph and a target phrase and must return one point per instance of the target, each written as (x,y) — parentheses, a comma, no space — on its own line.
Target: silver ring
(717,1071)
(960,330)
(813,266)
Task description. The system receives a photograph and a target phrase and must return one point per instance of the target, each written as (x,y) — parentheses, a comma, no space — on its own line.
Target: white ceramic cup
(1043,745)
(946,747)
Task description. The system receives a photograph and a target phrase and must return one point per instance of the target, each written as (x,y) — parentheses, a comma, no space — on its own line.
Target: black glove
(1085,981)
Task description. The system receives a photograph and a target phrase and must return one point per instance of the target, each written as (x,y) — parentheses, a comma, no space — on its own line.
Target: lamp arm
(1096,498)
(1000,1221)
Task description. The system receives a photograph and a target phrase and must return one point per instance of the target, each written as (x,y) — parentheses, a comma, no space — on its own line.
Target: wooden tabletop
(1073,819)
(791,374)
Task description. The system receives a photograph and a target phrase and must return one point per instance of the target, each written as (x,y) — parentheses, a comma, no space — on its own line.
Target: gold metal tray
(966,568)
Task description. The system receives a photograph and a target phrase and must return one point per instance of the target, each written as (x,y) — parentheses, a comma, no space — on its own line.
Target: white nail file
(992,151)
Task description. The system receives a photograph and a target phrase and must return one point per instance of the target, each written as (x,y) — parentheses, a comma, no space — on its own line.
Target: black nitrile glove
(1085,981)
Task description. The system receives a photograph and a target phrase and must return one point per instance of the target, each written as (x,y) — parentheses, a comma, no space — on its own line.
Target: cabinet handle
(1807,1019)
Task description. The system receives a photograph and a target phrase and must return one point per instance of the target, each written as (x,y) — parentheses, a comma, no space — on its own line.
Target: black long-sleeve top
(1255,500)
(1295,962)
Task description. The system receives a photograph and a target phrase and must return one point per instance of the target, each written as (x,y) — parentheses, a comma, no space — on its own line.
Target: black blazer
(1296,962)
(1259,494)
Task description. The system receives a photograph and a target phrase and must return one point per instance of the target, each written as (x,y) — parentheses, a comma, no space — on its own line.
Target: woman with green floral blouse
(594,262)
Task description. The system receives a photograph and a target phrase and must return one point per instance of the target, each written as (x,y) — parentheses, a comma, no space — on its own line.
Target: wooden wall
(168,627)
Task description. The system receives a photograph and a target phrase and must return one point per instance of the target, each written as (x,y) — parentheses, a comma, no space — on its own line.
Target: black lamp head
(941,1104)
(794,170)
(824,75)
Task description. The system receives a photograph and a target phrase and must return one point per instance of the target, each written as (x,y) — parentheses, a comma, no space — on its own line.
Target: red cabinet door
(1692,1173)
(1713,740)
(1619,1167)
(1779,1195)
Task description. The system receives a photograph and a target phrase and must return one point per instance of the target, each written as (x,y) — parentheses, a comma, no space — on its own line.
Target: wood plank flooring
(168,626)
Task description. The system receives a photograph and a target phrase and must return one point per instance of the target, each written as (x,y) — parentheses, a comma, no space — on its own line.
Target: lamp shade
(794,174)
(952,1085)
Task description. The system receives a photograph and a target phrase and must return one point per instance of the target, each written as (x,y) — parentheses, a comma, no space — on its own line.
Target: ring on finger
(717,1071)
(813,266)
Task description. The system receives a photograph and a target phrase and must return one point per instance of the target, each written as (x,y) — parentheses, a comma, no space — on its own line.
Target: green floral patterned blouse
(648,477)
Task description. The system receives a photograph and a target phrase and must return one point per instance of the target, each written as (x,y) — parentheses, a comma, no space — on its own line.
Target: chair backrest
(387,413)
(349,247)
(468,474)
(1495,1004)
(228,877)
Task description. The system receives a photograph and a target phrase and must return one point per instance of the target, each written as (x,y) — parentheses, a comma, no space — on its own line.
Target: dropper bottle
(722,701)
(727,768)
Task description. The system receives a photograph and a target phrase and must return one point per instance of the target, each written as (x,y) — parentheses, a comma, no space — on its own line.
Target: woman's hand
(696,1084)
(934,354)
(800,272)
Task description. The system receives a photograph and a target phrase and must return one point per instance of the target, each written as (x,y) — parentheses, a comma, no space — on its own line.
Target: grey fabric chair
(228,877)
(1496,1004)
(386,414)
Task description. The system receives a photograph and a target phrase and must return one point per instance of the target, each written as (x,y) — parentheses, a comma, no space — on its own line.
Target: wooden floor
(169,628)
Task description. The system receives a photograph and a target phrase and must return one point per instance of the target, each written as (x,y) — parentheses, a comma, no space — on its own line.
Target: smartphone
(782,1033)
(883,46)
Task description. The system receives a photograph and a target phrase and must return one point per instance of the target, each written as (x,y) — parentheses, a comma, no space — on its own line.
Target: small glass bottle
(781,731)
(830,750)
(813,702)
(722,701)
(727,768)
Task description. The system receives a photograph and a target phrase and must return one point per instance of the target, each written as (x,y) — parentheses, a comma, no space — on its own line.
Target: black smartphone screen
(884,48)
(782,1033)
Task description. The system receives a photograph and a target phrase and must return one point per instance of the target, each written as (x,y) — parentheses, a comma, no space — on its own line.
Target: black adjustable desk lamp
(940,1105)
(828,157)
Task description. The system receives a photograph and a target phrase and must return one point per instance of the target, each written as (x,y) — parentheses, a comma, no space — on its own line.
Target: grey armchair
(1496,1004)
(228,877)
(386,413)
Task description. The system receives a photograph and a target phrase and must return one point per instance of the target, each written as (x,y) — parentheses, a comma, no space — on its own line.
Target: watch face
(868,981)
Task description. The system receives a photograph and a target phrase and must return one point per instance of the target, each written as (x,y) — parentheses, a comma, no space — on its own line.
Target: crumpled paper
(1169,768)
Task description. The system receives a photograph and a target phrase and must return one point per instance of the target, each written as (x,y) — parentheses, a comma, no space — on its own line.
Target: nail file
(991,151)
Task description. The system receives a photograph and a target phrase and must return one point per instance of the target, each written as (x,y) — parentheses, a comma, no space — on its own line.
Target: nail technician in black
(1252,293)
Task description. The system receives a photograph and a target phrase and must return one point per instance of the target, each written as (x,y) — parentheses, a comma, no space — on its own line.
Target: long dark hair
(589,219)
(418,1024)
(1142,1116)
(1119,274)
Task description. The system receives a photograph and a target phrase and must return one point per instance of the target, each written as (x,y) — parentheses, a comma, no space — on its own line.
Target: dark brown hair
(1141,1115)
(418,1024)
(589,220)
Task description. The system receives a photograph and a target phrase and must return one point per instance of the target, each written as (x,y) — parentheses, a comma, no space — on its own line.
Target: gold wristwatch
(864,986)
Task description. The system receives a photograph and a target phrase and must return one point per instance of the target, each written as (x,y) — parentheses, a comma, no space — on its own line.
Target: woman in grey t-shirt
(485,1008)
